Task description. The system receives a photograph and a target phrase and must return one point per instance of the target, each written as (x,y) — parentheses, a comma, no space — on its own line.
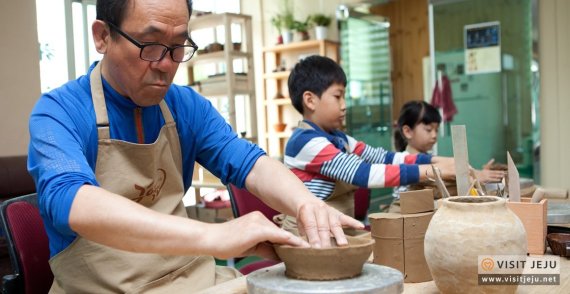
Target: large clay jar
(461,230)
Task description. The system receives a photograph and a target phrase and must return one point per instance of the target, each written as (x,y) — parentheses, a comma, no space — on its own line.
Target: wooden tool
(538,194)
(439,182)
(476,184)
(514,180)
(459,138)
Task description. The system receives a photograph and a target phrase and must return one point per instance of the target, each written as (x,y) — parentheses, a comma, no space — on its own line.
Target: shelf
(279,101)
(280,110)
(212,20)
(231,85)
(219,56)
(281,135)
(298,46)
(279,75)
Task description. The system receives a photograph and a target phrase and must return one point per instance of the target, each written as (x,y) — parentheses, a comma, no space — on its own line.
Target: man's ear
(407,132)
(310,100)
(101,36)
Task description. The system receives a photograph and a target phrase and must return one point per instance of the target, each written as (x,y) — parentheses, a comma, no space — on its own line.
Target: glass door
(487,51)
(365,58)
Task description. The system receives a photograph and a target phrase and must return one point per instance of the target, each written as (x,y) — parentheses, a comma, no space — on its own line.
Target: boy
(330,163)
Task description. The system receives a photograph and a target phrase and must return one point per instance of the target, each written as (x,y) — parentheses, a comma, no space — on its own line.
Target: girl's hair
(413,113)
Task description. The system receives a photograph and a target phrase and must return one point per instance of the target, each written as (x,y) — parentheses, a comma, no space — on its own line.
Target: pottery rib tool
(538,195)
(514,180)
(439,182)
(476,183)
(459,139)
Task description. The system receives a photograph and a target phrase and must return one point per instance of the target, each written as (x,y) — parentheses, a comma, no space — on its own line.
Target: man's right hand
(250,234)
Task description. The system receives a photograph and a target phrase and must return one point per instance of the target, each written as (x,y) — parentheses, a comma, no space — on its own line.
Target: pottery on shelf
(279,127)
(325,264)
(464,228)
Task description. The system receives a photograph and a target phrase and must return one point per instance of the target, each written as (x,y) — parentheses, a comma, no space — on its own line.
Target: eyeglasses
(157,51)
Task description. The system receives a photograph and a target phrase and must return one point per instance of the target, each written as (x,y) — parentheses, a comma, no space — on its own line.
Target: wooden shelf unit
(280,110)
(226,85)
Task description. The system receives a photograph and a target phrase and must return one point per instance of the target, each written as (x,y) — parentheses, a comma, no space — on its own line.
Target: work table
(239,285)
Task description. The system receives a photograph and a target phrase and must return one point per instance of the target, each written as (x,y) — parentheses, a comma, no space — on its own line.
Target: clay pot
(461,230)
(279,127)
(324,264)
(559,243)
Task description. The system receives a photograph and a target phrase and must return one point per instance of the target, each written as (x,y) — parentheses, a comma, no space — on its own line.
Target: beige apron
(342,199)
(150,174)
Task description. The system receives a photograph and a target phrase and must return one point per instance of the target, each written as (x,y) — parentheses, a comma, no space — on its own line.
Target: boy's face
(329,111)
(422,137)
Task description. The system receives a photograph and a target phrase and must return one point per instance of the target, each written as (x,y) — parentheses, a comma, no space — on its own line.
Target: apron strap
(168,119)
(98,98)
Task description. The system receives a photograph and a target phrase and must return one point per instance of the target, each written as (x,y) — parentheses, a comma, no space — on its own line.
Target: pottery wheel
(374,279)
(559,213)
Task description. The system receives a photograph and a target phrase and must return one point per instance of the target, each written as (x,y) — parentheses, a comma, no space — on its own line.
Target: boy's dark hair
(411,114)
(113,11)
(315,74)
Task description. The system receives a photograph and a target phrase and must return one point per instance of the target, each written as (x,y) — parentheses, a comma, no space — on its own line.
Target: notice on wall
(482,48)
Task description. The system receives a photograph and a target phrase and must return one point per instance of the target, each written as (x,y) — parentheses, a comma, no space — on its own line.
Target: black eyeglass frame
(144,45)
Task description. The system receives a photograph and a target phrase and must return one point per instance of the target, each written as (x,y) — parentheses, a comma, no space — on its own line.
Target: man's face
(147,21)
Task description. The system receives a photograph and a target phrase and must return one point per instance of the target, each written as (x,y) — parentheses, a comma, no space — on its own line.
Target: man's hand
(251,234)
(319,222)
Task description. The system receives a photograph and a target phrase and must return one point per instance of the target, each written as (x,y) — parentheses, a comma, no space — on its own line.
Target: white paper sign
(482,47)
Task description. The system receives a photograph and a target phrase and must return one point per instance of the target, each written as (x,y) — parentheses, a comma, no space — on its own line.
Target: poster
(482,48)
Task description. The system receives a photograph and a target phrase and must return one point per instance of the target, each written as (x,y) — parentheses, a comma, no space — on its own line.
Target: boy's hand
(446,166)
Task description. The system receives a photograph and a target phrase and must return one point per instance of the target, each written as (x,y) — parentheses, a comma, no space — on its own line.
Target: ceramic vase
(321,32)
(461,230)
(287,37)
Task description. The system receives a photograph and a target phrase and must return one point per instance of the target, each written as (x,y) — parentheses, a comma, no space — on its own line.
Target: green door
(365,58)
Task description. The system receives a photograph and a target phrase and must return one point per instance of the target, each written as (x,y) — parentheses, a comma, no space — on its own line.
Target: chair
(28,246)
(243,202)
(361,203)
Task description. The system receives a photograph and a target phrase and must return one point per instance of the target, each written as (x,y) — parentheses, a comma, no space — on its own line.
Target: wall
(409,42)
(554,103)
(19,73)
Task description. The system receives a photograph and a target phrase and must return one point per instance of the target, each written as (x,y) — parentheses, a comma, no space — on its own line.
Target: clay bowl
(326,264)
(279,127)
(559,243)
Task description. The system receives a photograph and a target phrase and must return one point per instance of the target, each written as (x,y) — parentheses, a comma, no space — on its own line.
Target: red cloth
(443,98)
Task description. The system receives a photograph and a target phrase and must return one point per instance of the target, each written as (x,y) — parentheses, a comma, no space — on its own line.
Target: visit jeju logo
(487,264)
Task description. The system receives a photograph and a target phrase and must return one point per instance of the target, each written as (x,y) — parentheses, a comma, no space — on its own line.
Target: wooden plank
(514,180)
(459,138)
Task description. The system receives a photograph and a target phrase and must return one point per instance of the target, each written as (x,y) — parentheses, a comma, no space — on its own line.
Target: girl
(416,132)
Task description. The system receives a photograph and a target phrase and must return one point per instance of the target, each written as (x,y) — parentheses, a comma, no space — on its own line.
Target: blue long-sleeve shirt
(63,144)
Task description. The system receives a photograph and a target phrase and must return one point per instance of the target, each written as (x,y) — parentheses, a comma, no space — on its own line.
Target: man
(112,154)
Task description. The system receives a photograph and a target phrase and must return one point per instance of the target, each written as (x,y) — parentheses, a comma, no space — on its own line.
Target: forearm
(277,186)
(112,220)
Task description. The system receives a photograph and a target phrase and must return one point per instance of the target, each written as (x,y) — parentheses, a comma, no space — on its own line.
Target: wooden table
(239,285)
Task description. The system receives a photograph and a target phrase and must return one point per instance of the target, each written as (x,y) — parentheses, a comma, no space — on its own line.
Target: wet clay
(334,263)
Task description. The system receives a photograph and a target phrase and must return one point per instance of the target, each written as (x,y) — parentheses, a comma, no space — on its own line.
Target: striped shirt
(319,159)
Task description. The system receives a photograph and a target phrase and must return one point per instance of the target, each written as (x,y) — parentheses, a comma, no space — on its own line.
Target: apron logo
(153,189)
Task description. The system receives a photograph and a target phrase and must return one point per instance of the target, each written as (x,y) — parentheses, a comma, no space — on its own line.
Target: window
(64,34)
